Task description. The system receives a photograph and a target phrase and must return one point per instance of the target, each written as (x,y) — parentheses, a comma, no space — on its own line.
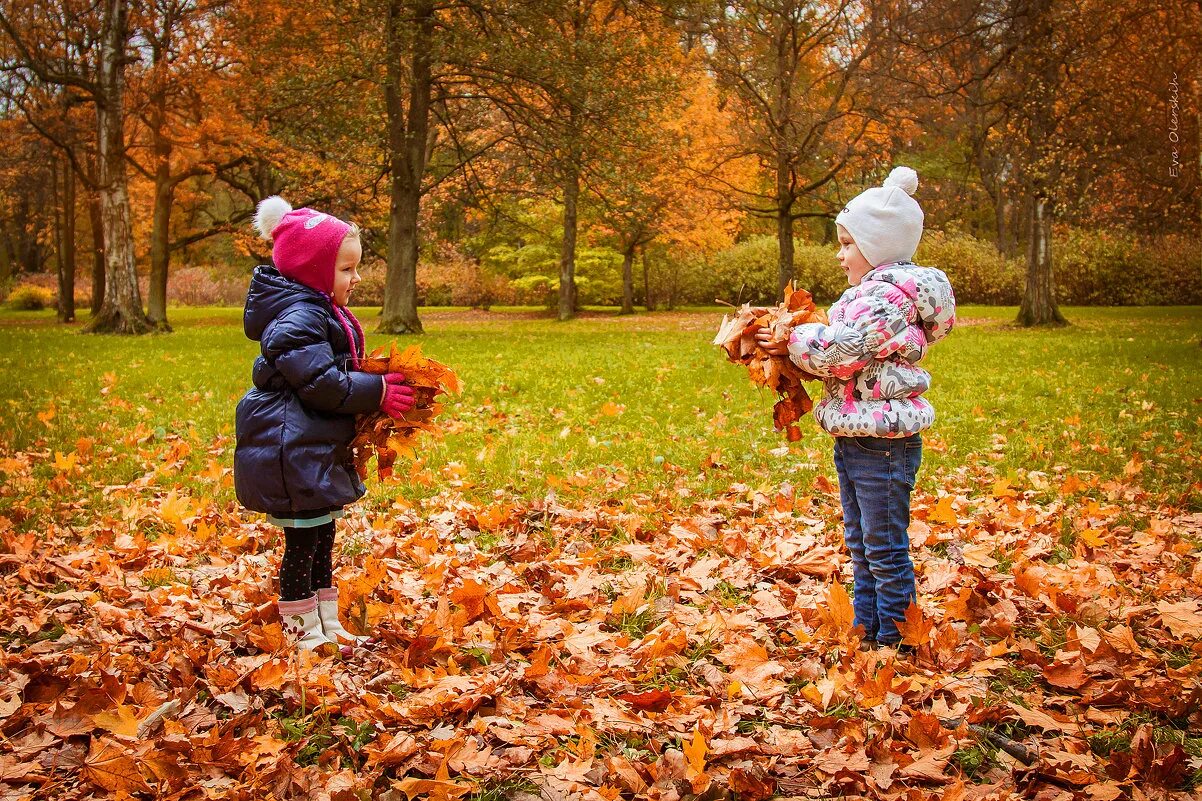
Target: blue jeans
(876,477)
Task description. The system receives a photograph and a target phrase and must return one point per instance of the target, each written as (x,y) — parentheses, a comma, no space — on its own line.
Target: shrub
(28,297)
(370,291)
(978,272)
(1117,268)
(752,266)
(202,286)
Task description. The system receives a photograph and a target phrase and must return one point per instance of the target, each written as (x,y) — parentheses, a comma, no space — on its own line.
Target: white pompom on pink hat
(304,242)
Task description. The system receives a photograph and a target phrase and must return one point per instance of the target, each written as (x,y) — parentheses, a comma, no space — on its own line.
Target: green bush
(978,272)
(30,298)
(1090,268)
(752,266)
(1117,268)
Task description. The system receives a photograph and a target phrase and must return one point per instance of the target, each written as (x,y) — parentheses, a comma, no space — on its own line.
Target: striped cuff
(306,522)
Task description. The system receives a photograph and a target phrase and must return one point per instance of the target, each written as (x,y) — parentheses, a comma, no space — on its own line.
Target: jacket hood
(934,299)
(269,295)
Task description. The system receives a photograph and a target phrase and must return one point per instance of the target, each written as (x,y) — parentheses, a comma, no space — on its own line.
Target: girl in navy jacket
(295,427)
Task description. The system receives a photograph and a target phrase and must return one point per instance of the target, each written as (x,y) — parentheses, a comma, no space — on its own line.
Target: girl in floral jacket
(873,406)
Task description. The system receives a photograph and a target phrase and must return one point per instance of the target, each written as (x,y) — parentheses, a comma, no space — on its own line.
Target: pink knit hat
(304,241)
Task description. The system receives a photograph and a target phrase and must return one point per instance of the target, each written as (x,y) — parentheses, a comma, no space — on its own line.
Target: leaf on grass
(440,788)
(650,701)
(943,512)
(1181,618)
(838,608)
(931,766)
(694,754)
(752,783)
(1070,675)
(108,766)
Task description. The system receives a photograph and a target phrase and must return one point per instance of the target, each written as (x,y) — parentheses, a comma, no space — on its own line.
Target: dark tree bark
(648,304)
(408,135)
(98,259)
(628,279)
(784,244)
(1039,300)
(121,312)
(160,232)
(66,247)
(567,254)
(1039,171)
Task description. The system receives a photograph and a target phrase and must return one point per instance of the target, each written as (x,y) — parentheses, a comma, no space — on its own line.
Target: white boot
(301,621)
(327,607)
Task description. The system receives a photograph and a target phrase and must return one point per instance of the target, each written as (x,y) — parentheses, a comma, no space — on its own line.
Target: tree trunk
(66,248)
(648,304)
(628,280)
(121,311)
(784,223)
(6,260)
(407,137)
(1039,300)
(1005,216)
(160,243)
(164,197)
(399,314)
(784,238)
(567,254)
(97,253)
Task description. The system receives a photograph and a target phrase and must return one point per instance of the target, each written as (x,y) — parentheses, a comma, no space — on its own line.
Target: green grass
(1083,398)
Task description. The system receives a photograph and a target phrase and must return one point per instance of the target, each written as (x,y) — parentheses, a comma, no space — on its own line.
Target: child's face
(850,258)
(346,270)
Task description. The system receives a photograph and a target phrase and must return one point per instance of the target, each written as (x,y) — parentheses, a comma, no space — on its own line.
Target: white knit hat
(885,221)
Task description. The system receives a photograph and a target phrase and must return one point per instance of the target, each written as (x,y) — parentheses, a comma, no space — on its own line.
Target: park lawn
(613,406)
(613,553)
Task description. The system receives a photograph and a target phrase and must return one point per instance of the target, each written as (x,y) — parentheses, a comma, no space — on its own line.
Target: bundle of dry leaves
(736,336)
(381,436)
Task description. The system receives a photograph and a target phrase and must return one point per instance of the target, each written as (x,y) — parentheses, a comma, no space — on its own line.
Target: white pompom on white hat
(885,221)
(903,177)
(269,213)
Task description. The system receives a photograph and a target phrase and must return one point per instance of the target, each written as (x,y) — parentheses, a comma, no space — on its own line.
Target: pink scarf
(342,314)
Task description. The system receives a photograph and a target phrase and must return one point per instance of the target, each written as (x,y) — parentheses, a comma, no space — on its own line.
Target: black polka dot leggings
(308,563)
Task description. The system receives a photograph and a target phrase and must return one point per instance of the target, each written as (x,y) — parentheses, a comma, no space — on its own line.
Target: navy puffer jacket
(295,427)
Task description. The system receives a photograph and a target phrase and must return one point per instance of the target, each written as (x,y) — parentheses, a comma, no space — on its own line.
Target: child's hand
(398,396)
(771,345)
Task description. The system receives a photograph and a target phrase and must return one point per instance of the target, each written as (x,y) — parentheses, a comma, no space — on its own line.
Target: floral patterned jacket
(868,355)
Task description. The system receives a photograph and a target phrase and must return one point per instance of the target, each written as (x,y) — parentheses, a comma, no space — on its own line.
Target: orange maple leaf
(916,628)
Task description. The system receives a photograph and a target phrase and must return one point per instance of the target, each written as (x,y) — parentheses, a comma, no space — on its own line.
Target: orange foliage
(736,336)
(386,438)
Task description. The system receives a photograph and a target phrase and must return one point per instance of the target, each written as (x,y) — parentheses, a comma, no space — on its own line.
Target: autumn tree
(669,188)
(38,56)
(407,85)
(354,103)
(26,202)
(1038,85)
(185,131)
(35,110)
(569,104)
(793,70)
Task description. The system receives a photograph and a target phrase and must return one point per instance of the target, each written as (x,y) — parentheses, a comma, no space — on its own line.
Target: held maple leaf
(736,337)
(387,439)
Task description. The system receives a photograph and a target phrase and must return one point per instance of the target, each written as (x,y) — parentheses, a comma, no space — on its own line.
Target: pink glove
(398,396)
